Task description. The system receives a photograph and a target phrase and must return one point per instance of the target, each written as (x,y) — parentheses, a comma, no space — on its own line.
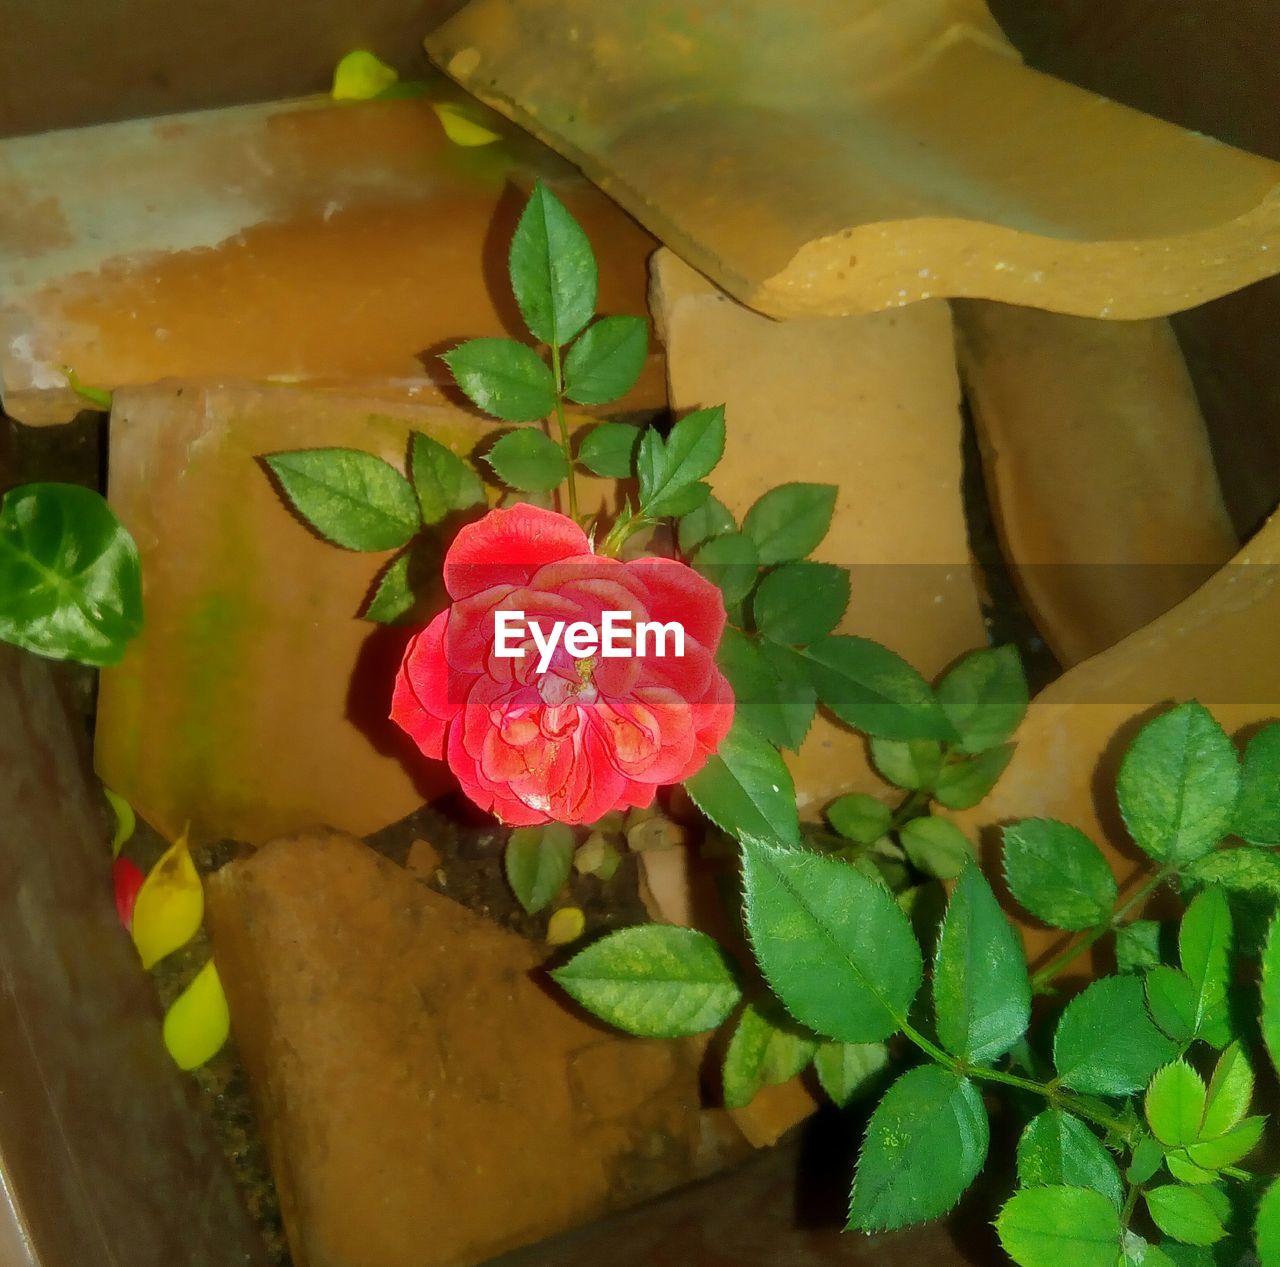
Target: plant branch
(564,429)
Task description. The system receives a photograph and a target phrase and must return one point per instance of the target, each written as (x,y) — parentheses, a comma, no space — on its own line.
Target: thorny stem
(1046,974)
(564,430)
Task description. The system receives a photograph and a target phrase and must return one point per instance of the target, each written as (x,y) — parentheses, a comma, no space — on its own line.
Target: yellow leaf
(360,76)
(126,823)
(170,905)
(565,925)
(198,1023)
(460,128)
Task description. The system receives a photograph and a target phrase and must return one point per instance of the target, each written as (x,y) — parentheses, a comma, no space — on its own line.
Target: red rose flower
(591,733)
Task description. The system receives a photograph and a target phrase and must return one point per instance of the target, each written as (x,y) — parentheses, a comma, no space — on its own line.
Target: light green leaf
(1271,993)
(1257,817)
(728,561)
(537,863)
(70,579)
(1058,1150)
(848,1070)
(604,364)
(789,521)
(913,764)
(393,598)
(1138,945)
(985,697)
(981,994)
(1204,943)
(962,784)
(504,378)
(767,1048)
(442,480)
(925,1144)
(1174,1104)
(1060,1226)
(1267,1227)
(1178,785)
(859,817)
(746,788)
(655,980)
(804,910)
(1135,1252)
(1058,874)
(873,690)
(125,819)
(1184,1170)
(1105,1043)
(712,519)
(553,270)
(1230,1093)
(1229,1148)
(937,847)
(528,460)
(691,451)
(1186,1214)
(799,602)
(610,450)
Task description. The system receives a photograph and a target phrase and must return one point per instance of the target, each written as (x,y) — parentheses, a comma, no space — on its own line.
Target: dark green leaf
(859,817)
(655,980)
(1058,874)
(666,472)
(528,460)
(442,480)
(537,863)
(1148,1157)
(1138,945)
(1060,1227)
(728,561)
(848,1070)
(798,698)
(1174,1104)
(1252,880)
(789,521)
(604,364)
(804,912)
(981,994)
(1178,785)
(712,519)
(937,847)
(1186,1214)
(767,1048)
(1204,942)
(1105,1043)
(925,1144)
(351,498)
(962,784)
(985,697)
(873,690)
(799,602)
(1058,1150)
(610,450)
(393,598)
(1172,999)
(912,765)
(746,788)
(70,579)
(553,270)
(1257,817)
(757,694)
(504,378)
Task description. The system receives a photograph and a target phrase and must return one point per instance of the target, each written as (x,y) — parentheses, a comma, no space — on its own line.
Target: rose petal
(507,547)
(677,592)
(126,879)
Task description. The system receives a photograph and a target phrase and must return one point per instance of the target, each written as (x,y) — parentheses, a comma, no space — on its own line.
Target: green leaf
(873,690)
(712,519)
(799,701)
(610,450)
(789,521)
(1267,1227)
(1229,1148)
(757,694)
(1148,1157)
(553,270)
(746,789)
(1054,1227)
(1252,880)
(1204,942)
(847,1070)
(1230,1093)
(1186,1214)
(936,847)
(442,480)
(962,784)
(799,602)
(393,598)
(666,472)
(913,765)
(1257,817)
(925,1144)
(1271,993)
(804,911)
(1135,1252)
(981,994)
(1178,785)
(1058,1150)
(98,397)
(1105,1043)
(70,579)
(859,817)
(728,561)
(604,364)
(767,1048)
(537,863)
(655,980)
(504,378)
(1058,874)
(1184,1170)
(1175,1104)
(1138,945)
(528,460)
(985,697)
(126,821)
(1172,999)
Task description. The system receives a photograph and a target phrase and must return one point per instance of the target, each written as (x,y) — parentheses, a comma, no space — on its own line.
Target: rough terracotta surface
(1219,646)
(1099,467)
(307,241)
(425,1101)
(829,157)
(871,403)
